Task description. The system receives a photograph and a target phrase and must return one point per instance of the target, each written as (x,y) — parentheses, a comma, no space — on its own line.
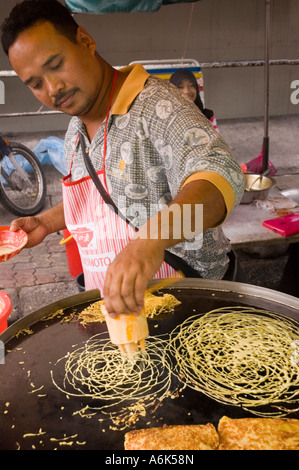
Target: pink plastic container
(5,310)
(285,225)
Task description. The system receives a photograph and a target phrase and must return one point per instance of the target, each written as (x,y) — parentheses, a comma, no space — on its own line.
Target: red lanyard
(106,124)
(106,127)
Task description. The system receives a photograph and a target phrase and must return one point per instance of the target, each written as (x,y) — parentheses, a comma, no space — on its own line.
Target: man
(155,154)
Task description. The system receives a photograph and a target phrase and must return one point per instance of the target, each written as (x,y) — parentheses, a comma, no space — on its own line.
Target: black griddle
(34,414)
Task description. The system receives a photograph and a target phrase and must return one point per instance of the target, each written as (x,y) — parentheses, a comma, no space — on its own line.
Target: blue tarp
(49,150)
(119,6)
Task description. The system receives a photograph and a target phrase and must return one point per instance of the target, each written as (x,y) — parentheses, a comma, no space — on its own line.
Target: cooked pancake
(180,437)
(258,434)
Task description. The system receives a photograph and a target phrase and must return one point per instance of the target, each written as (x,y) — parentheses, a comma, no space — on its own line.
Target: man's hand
(34,228)
(39,226)
(127,277)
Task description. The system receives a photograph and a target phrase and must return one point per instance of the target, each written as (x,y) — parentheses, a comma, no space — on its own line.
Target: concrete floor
(245,137)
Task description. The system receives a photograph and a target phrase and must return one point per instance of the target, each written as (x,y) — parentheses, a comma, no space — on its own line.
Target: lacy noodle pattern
(240,356)
(123,387)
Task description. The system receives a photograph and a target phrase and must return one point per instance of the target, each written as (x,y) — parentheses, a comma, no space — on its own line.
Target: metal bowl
(256,187)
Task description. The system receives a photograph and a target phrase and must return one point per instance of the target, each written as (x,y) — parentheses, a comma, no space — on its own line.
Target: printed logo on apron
(97,263)
(86,238)
(84,235)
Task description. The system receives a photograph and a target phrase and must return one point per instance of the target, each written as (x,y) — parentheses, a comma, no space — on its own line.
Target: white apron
(99,231)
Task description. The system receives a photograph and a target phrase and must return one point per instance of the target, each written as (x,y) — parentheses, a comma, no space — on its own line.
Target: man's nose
(54,84)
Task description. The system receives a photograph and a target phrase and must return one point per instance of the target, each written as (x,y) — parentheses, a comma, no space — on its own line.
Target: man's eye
(57,65)
(36,85)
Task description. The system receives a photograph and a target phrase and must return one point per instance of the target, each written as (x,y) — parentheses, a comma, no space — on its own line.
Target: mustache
(63,94)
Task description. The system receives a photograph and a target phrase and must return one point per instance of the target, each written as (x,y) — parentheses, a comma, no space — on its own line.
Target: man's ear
(84,38)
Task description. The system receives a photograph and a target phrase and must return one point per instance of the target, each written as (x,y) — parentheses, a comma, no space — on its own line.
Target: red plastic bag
(256,165)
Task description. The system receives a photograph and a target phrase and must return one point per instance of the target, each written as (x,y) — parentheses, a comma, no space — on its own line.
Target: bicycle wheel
(22,181)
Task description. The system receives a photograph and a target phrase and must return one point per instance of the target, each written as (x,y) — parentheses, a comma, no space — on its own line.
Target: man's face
(63,75)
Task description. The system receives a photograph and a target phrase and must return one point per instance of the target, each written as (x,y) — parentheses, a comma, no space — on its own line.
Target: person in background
(185,80)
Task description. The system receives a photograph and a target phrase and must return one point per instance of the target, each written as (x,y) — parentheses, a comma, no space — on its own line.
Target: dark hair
(182,74)
(30,12)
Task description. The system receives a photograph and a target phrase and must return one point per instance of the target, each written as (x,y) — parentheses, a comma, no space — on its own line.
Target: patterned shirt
(157,141)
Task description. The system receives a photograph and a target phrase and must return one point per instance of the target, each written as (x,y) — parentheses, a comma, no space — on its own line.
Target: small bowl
(256,187)
(11,243)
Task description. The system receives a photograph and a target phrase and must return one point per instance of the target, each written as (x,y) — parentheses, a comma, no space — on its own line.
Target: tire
(22,181)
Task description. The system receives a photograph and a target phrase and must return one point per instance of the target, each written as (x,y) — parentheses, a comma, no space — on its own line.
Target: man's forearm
(128,275)
(53,219)
(169,225)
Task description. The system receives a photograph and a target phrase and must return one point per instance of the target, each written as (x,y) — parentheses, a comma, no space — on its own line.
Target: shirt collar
(132,86)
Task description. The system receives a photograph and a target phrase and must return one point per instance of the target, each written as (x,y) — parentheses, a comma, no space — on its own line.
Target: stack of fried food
(231,434)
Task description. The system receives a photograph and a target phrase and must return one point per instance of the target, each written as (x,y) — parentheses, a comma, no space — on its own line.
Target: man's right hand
(39,226)
(34,228)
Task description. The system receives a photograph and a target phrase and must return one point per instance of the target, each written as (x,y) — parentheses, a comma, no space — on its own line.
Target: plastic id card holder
(285,225)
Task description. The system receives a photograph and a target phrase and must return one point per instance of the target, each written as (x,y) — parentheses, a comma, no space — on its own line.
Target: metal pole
(266,86)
